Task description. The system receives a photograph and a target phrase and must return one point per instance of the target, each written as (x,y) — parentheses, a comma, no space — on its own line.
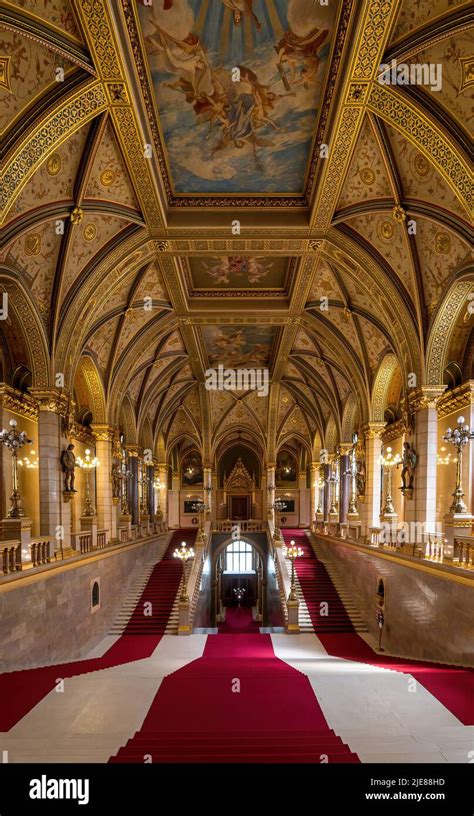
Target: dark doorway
(239,506)
(245,584)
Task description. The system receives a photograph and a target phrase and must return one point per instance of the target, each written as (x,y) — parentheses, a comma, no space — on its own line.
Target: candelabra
(184,553)
(125,476)
(200,507)
(320,486)
(88,464)
(292,553)
(389,461)
(459,437)
(144,482)
(239,593)
(14,440)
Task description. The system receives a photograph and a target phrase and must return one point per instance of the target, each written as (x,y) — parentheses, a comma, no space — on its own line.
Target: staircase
(243,746)
(159,585)
(314,589)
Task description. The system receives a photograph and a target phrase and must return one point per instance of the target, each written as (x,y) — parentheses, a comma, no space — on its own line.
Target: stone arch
(350,418)
(127,422)
(447,317)
(380,388)
(31,326)
(145,435)
(331,436)
(89,387)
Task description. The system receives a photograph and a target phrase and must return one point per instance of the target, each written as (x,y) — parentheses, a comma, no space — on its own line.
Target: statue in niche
(68,463)
(409,461)
(360,477)
(116,474)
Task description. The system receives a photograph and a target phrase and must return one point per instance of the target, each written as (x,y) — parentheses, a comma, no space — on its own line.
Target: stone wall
(47,618)
(426,617)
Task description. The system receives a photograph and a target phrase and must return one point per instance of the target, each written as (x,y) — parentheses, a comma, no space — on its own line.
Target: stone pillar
(344,485)
(327,491)
(207,491)
(174,503)
(373,486)
(133,465)
(163,491)
(422,507)
(104,436)
(271,492)
(313,492)
(305,501)
(150,473)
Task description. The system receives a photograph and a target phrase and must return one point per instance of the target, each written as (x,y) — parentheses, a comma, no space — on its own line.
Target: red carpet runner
(452,687)
(22,690)
(199,716)
(238,621)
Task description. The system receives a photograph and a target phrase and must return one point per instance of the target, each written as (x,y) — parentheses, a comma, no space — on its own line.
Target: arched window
(239,557)
(95,594)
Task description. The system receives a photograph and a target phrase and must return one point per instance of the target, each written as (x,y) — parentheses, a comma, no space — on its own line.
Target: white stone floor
(370,708)
(373,710)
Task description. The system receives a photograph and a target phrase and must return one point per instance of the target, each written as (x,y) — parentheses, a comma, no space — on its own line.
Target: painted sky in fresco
(250,136)
(239,346)
(232,272)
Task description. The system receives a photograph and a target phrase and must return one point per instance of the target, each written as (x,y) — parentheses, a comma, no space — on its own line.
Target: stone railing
(101,539)
(11,556)
(245,526)
(464,552)
(40,551)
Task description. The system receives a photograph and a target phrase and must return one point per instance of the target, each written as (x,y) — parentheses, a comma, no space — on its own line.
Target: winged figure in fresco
(242,8)
(300,52)
(249,268)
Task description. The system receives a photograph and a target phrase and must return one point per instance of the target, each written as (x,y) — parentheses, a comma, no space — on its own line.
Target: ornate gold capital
(457,399)
(51,399)
(425,397)
(14,400)
(104,433)
(133,451)
(374,430)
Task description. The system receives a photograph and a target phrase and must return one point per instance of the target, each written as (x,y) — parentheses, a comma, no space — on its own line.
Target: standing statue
(116,479)
(360,477)
(409,460)
(68,463)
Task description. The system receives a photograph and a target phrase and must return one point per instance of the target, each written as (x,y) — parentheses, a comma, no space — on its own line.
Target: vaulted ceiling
(162,213)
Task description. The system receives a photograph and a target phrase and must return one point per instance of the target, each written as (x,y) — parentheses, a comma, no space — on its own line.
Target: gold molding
(457,399)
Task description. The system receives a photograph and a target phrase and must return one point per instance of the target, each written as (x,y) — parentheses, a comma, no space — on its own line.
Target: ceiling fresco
(239,346)
(238,85)
(228,274)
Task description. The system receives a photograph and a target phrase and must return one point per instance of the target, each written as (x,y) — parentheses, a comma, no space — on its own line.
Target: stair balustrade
(245,525)
(464,552)
(40,549)
(11,558)
(101,539)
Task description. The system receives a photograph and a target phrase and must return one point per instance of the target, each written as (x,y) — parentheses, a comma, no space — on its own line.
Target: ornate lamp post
(332,481)
(125,476)
(14,440)
(200,508)
(320,486)
(184,553)
(459,437)
(389,461)
(88,464)
(292,553)
(278,506)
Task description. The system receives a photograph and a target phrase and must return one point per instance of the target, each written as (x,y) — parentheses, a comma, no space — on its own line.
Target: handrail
(201,548)
(245,525)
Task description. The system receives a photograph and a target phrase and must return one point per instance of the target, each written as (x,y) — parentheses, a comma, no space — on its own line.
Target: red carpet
(22,690)
(197,717)
(239,621)
(452,687)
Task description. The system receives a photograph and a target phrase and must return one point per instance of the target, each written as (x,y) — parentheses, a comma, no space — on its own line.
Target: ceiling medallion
(442,243)
(421,165)
(5,72)
(107,178)
(90,231)
(367,176)
(33,244)
(386,230)
(53,165)
(467,72)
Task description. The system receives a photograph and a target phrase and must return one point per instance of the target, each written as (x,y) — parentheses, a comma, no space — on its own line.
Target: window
(95,599)
(239,557)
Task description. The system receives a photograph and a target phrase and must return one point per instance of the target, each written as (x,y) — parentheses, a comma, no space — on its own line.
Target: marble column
(105,511)
(305,500)
(163,491)
(422,507)
(174,502)
(313,492)
(344,485)
(327,491)
(271,492)
(373,486)
(150,474)
(133,483)
(207,491)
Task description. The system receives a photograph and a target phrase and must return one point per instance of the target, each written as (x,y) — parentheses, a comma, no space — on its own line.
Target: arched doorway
(239,581)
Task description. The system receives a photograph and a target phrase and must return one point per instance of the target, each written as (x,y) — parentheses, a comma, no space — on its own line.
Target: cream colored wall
(28,478)
(80,484)
(446,474)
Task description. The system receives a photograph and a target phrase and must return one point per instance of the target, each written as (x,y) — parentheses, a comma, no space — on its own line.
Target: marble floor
(383,715)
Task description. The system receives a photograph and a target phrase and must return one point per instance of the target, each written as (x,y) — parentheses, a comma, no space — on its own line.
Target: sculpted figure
(68,463)
(409,460)
(115,477)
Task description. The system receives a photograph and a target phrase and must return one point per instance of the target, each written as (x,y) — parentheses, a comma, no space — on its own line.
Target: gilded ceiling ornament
(386,229)
(399,214)
(421,165)
(33,244)
(442,243)
(90,231)
(77,214)
(162,246)
(5,73)
(315,245)
(367,176)
(467,72)
(107,177)
(53,165)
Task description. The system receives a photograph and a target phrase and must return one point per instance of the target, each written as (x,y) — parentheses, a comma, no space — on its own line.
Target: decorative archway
(455,301)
